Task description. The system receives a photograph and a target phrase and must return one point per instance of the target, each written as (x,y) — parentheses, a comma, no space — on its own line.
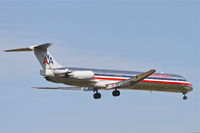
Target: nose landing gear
(184,96)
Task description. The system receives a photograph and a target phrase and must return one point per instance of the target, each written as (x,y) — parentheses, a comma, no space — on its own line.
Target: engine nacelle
(60,72)
(53,73)
(81,75)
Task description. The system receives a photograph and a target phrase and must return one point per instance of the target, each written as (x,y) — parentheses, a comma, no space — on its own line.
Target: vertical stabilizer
(41,52)
(46,60)
(44,57)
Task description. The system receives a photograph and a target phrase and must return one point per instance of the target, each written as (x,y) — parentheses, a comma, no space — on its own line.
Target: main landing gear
(116,93)
(97,95)
(184,96)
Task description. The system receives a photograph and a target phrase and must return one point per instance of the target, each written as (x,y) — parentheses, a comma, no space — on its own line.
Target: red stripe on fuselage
(105,78)
(149,81)
(166,82)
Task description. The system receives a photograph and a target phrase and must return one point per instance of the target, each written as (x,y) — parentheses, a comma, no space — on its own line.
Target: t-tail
(46,60)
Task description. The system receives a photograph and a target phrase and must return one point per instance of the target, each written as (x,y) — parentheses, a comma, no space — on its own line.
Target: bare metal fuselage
(155,82)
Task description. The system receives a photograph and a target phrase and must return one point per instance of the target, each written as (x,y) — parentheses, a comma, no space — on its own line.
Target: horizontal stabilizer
(20,49)
(66,88)
(43,46)
(31,48)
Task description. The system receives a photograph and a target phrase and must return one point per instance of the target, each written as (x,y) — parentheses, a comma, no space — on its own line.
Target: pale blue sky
(129,35)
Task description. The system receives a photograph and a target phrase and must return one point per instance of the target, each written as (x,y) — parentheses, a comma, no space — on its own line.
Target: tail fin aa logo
(48,60)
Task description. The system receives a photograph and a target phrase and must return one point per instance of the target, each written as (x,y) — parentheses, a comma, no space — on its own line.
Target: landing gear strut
(97,95)
(184,96)
(116,93)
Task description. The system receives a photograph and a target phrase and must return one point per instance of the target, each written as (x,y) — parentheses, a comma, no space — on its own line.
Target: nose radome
(189,88)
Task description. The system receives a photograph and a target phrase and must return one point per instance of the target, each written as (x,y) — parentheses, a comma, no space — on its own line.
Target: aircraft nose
(189,88)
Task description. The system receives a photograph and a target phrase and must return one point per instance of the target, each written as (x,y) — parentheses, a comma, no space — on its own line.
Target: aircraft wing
(131,81)
(66,88)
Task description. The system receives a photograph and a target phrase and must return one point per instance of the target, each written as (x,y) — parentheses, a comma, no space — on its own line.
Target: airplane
(86,79)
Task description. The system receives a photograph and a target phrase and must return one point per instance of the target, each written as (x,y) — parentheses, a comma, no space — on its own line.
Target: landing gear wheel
(184,97)
(97,95)
(116,93)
